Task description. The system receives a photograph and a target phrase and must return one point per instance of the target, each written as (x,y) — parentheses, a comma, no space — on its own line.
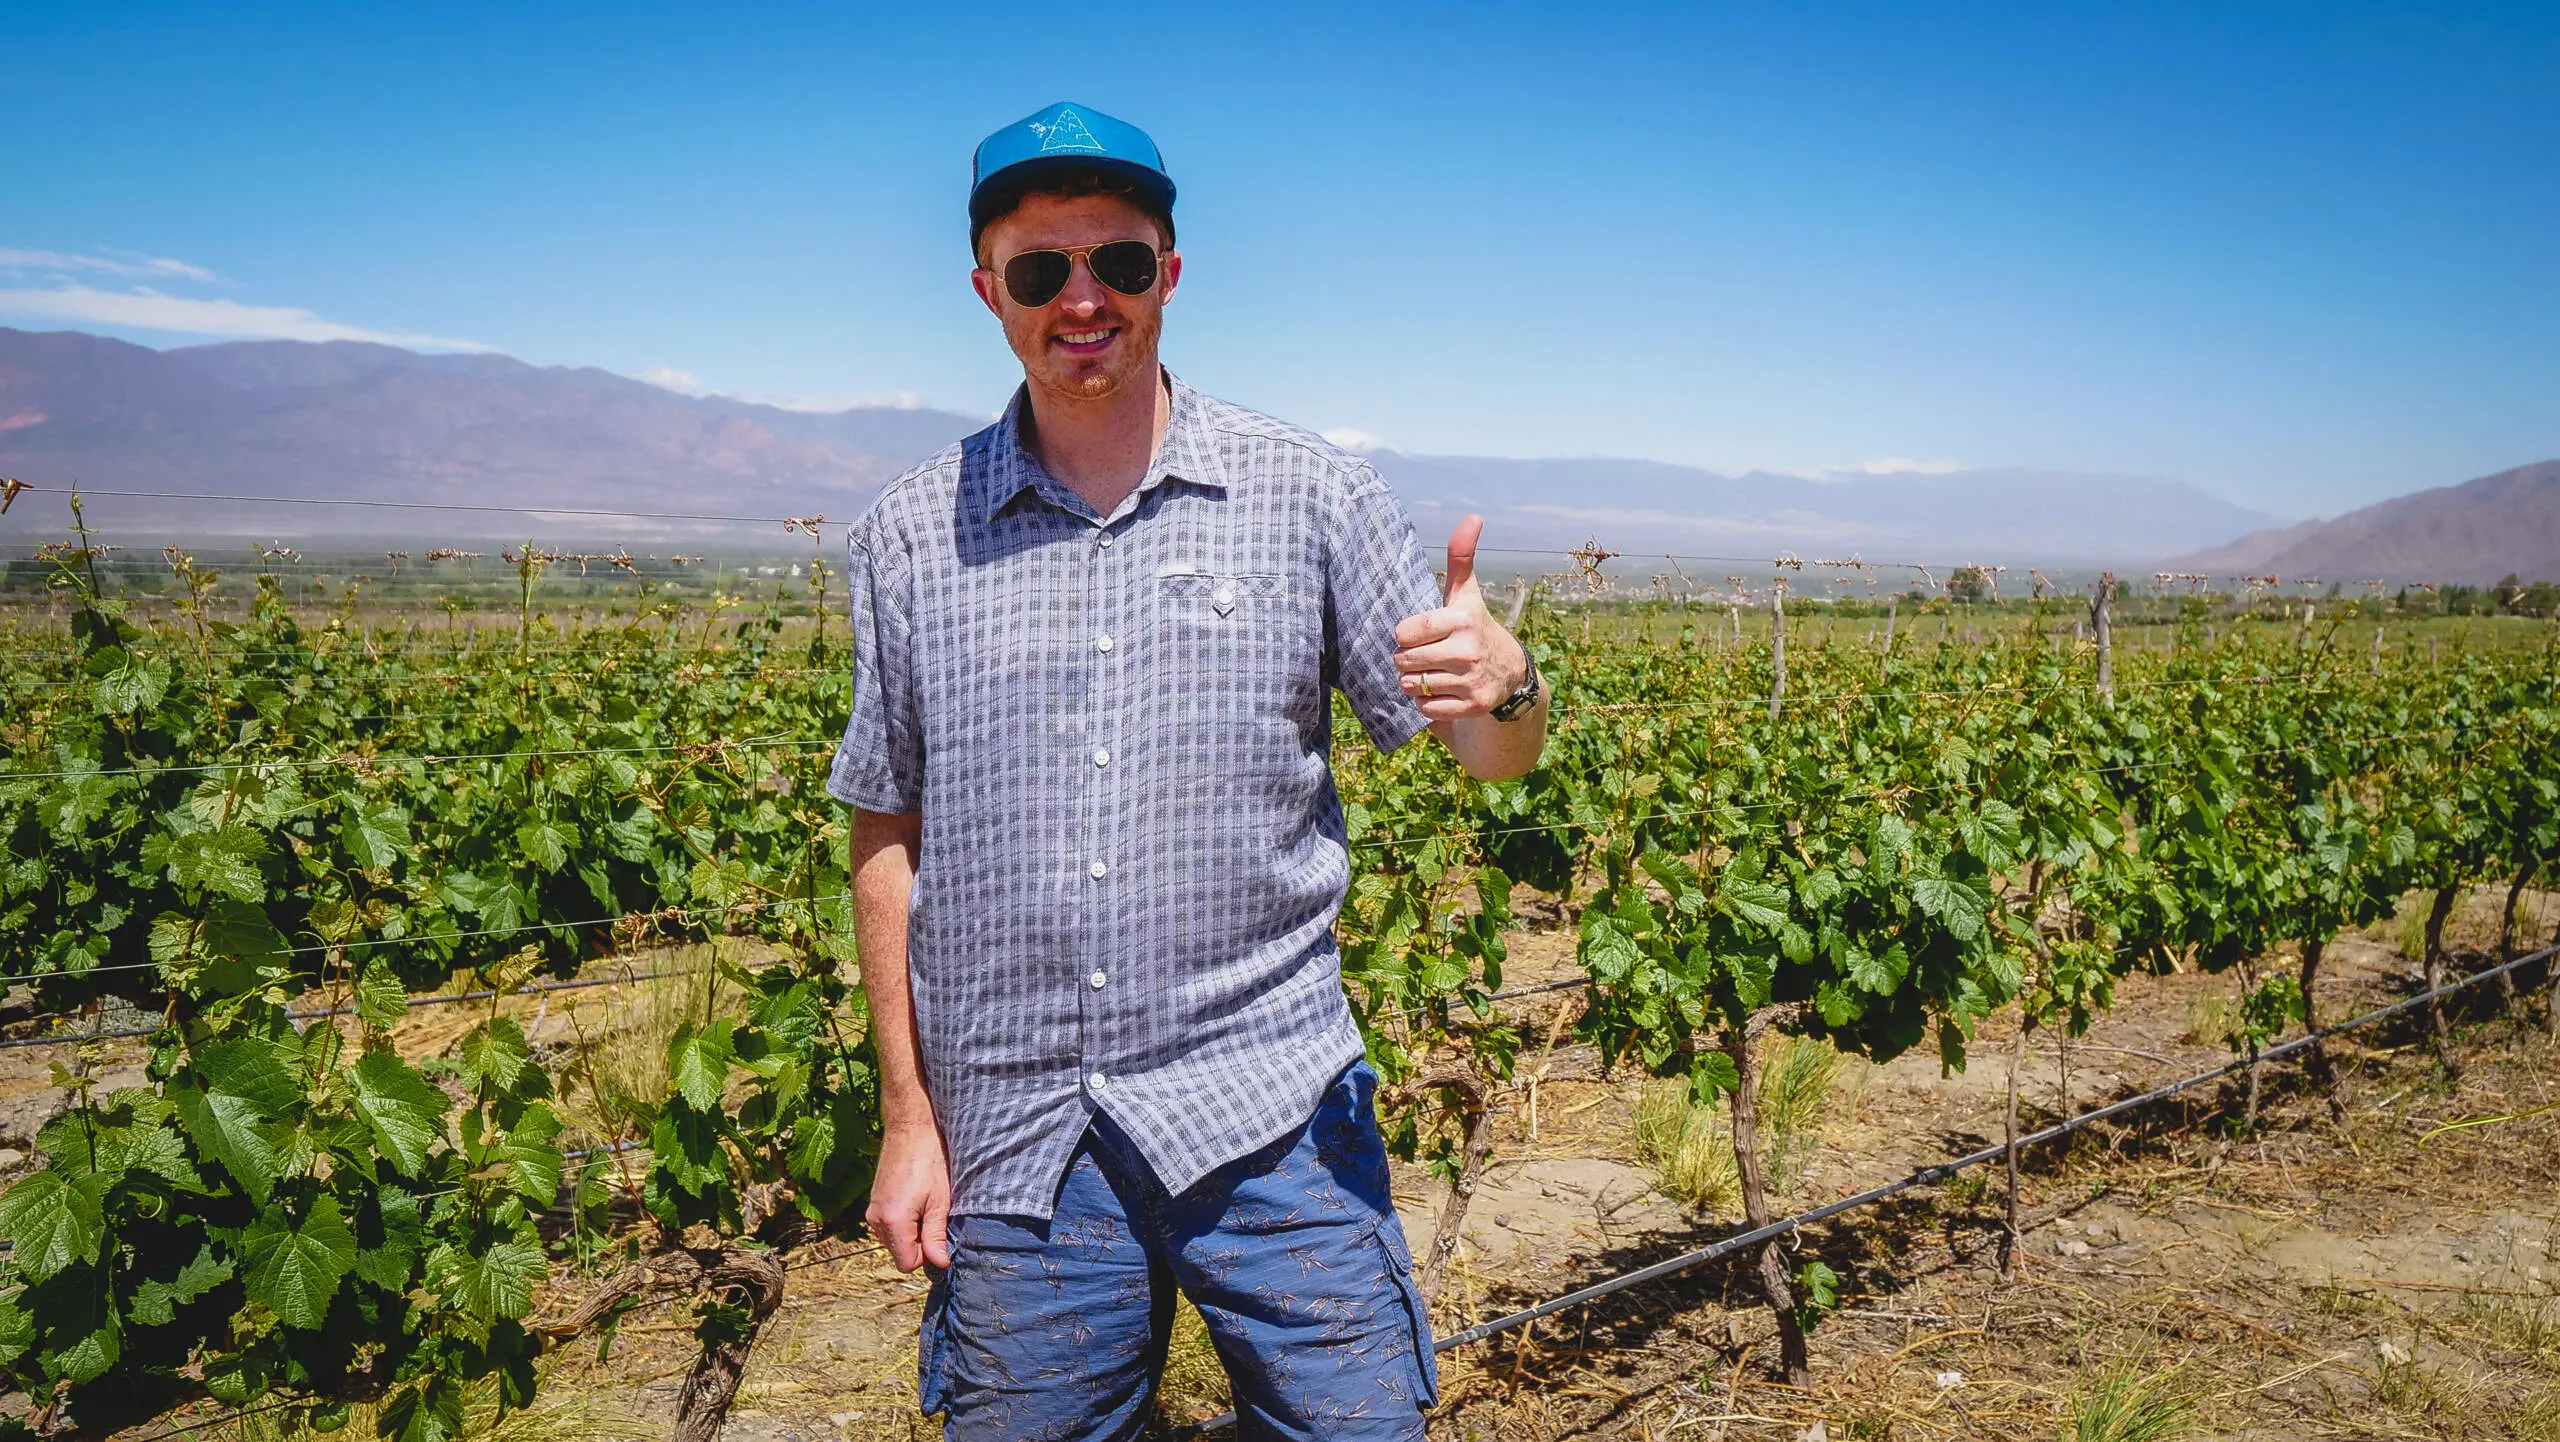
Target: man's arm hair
(882,862)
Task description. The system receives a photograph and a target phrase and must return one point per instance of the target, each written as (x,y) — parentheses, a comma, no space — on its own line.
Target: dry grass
(1690,1145)
(558,1414)
(2127,1403)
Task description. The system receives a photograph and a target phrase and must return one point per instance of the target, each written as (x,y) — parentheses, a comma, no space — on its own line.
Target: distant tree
(1968,585)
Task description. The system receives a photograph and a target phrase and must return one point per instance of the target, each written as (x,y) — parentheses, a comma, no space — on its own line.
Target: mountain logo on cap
(1067,132)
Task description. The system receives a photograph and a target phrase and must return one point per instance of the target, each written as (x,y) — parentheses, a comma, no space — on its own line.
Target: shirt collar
(1186,454)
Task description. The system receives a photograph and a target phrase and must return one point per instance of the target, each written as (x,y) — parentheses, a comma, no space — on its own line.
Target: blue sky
(2301,255)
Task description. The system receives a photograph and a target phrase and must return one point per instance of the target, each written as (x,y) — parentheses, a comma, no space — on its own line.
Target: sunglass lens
(1127,266)
(1035,277)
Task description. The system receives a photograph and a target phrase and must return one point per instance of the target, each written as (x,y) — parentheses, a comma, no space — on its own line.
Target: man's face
(1090,341)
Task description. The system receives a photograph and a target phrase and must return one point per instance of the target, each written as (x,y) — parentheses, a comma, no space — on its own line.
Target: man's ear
(1169,275)
(984,282)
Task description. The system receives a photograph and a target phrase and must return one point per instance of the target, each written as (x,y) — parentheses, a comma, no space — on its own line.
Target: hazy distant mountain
(2474,533)
(1649,508)
(354,421)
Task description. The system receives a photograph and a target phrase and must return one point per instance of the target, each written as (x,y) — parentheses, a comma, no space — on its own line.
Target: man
(1097,853)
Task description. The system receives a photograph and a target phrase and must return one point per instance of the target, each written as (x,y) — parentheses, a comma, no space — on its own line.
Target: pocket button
(1223,598)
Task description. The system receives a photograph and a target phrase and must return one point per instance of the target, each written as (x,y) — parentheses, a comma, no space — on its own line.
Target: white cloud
(1905,466)
(668,378)
(1351,440)
(145,309)
(139,266)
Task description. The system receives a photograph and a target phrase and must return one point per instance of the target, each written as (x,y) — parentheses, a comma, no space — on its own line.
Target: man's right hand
(911,1196)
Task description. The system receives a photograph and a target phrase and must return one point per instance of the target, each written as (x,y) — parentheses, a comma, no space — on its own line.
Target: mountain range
(2475,534)
(349,421)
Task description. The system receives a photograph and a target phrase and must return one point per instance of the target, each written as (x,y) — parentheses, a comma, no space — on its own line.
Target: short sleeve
(1375,576)
(880,764)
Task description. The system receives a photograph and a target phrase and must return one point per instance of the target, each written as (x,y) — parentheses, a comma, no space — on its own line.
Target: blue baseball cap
(1058,137)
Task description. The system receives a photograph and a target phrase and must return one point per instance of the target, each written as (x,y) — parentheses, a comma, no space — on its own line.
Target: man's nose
(1083,295)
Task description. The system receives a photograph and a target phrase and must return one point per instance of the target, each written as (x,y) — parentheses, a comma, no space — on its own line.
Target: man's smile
(1087,342)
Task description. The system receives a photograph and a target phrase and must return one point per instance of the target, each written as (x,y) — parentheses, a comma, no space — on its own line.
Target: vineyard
(257,826)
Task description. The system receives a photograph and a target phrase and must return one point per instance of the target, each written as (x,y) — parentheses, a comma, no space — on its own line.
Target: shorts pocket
(1426,1359)
(933,1349)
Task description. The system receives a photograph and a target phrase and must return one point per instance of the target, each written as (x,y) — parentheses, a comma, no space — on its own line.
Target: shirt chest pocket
(1219,600)
(1230,639)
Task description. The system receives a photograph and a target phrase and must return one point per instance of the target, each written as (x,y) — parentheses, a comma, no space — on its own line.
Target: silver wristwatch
(1521,700)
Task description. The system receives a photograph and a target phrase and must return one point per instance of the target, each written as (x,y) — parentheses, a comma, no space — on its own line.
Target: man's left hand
(1457,660)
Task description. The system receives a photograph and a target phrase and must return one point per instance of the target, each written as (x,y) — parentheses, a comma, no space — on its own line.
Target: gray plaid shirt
(1117,729)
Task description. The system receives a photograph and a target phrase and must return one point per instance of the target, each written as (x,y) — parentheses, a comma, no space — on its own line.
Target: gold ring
(1425,679)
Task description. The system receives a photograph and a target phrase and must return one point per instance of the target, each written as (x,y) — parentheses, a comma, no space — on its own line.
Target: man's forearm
(1493,750)
(882,861)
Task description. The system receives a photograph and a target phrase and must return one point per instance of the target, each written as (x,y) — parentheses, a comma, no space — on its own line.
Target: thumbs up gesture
(1457,660)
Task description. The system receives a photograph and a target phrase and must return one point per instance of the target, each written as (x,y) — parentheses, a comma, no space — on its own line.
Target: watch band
(1522,699)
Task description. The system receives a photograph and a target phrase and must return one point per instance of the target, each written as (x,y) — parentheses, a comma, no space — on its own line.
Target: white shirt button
(1102,643)
(1099,870)
(1225,595)
(1103,540)
(1100,1081)
(1100,979)
(1101,755)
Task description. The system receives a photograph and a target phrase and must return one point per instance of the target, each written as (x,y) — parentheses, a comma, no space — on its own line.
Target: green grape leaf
(494,1283)
(402,1109)
(495,1054)
(530,1151)
(223,862)
(156,1302)
(90,1358)
(1712,1074)
(1757,903)
(1608,952)
(52,1224)
(374,837)
(295,1269)
(387,1263)
(545,844)
(125,685)
(1952,904)
(1755,974)
(698,1063)
(246,1091)
(381,999)
(1881,972)
(247,948)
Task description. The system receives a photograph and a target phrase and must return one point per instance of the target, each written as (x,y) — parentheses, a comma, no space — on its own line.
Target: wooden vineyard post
(2322,1072)
(1777,647)
(2009,1235)
(2377,648)
(1742,1044)
(2101,621)
(1891,603)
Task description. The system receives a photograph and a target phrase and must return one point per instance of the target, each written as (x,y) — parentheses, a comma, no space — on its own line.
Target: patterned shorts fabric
(1293,1255)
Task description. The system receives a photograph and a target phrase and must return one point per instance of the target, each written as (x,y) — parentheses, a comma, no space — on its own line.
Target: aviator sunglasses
(1035,277)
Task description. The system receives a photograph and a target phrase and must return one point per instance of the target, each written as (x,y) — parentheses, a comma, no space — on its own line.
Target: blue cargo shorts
(1293,1254)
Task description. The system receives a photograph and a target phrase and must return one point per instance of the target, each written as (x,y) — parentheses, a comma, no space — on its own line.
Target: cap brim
(996,194)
